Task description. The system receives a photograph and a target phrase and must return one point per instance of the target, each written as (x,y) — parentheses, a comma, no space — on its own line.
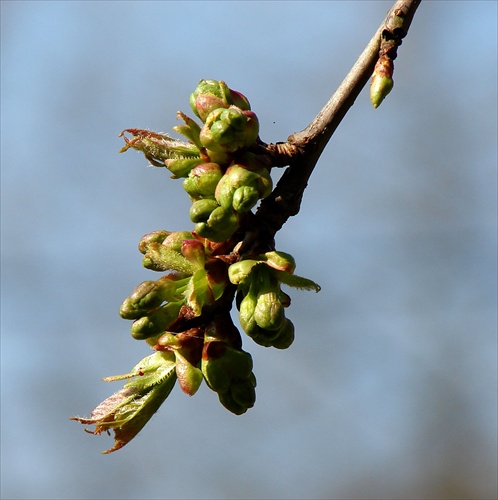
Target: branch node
(283,153)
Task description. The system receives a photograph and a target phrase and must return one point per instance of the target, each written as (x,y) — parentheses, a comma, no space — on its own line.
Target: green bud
(245,198)
(285,336)
(220,226)
(201,210)
(280,260)
(181,167)
(220,219)
(237,363)
(239,271)
(238,176)
(168,342)
(202,180)
(239,100)
(224,192)
(220,157)
(264,338)
(174,241)
(154,237)
(247,308)
(215,375)
(206,103)
(149,295)
(382,82)
(227,400)
(211,94)
(243,393)
(156,322)
(248,175)
(379,90)
(189,376)
(269,313)
(229,130)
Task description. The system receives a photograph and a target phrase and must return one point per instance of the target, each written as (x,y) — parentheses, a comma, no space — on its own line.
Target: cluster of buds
(223,178)
(184,316)
(196,279)
(221,199)
(261,301)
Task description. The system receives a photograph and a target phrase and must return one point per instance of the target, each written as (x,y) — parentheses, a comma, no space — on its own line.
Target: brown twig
(303,149)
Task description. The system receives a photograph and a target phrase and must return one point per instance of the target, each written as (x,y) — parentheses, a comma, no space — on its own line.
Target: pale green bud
(382,82)
(269,313)
(280,260)
(239,271)
(181,167)
(149,295)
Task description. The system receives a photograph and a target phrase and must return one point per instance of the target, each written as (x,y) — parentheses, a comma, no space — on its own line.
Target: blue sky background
(390,389)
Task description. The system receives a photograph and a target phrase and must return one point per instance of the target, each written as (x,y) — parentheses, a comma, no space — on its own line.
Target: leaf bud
(156,322)
(382,82)
(149,295)
(181,167)
(158,148)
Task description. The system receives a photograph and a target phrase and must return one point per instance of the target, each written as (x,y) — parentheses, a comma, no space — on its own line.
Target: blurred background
(390,389)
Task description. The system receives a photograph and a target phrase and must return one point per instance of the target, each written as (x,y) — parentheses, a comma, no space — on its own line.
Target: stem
(303,149)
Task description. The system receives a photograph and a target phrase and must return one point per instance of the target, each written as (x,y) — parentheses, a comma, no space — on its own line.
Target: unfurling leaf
(128,410)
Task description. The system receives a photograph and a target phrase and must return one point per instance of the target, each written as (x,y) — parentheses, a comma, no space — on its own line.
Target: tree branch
(303,149)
